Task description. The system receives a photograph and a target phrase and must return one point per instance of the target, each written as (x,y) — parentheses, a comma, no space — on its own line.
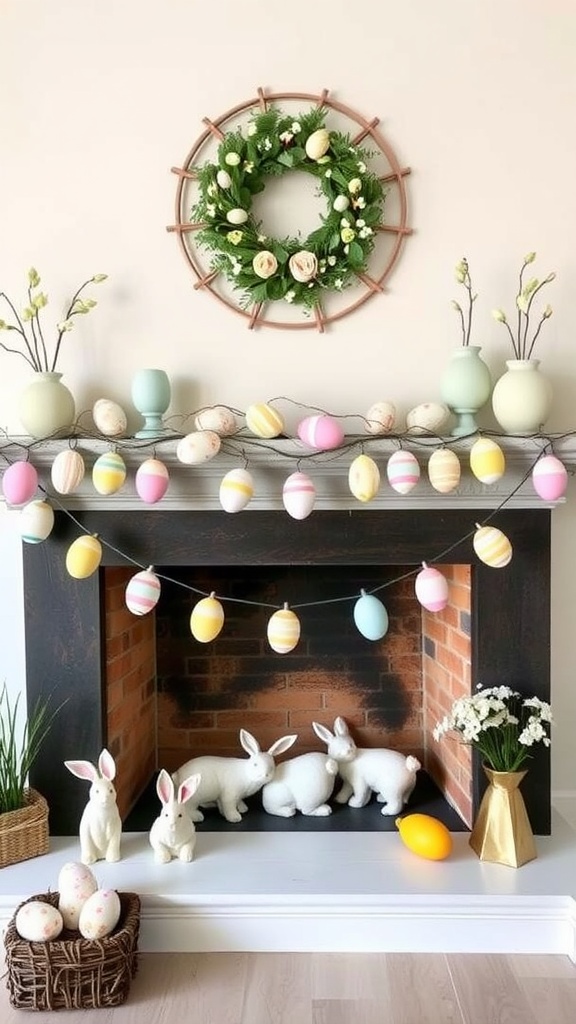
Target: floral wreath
(296,271)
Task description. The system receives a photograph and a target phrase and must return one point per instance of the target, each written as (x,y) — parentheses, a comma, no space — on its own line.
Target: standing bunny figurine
(227,781)
(388,773)
(173,833)
(100,824)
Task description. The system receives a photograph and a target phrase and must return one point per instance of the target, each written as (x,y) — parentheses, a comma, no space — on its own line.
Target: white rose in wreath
(264,264)
(303,265)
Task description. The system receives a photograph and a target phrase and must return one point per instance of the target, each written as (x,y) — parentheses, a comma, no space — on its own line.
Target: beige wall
(98,100)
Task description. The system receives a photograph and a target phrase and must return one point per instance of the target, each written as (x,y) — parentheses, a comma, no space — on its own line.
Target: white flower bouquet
(501,724)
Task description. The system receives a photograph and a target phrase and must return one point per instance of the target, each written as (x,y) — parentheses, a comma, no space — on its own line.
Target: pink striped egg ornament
(403,471)
(152,479)
(431,589)
(236,490)
(19,483)
(550,478)
(142,592)
(298,495)
(320,432)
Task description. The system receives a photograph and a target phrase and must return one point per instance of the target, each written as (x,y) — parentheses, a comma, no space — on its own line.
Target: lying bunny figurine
(100,824)
(391,775)
(173,833)
(227,781)
(304,783)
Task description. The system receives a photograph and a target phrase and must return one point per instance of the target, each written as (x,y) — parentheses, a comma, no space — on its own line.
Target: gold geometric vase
(502,832)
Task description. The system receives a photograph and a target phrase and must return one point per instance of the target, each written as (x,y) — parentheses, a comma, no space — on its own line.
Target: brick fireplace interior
(155,696)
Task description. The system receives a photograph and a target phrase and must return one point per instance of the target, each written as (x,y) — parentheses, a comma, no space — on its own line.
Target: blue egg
(371,617)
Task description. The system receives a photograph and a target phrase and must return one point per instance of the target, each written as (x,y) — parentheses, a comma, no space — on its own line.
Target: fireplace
(509,610)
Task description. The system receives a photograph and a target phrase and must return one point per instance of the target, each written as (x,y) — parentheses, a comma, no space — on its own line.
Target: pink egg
(142,592)
(298,495)
(152,479)
(431,589)
(321,432)
(403,471)
(19,483)
(550,478)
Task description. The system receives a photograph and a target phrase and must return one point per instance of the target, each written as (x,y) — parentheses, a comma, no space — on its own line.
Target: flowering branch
(521,344)
(462,274)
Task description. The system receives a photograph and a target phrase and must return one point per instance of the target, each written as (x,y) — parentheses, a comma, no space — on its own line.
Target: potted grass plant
(23,811)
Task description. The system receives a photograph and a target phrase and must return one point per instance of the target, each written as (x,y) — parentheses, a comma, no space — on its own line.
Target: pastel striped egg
(36,522)
(108,473)
(19,483)
(142,592)
(321,432)
(487,460)
(298,495)
(444,470)
(207,619)
(364,478)
(283,631)
(198,447)
(403,471)
(431,589)
(550,478)
(67,471)
(83,556)
(152,479)
(264,421)
(236,490)
(492,546)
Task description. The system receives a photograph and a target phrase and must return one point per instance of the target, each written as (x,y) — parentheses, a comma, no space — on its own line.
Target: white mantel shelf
(196,488)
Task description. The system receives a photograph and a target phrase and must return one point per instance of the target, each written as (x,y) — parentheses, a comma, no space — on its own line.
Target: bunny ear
(188,788)
(282,744)
(165,787)
(322,732)
(82,770)
(251,746)
(107,765)
(340,727)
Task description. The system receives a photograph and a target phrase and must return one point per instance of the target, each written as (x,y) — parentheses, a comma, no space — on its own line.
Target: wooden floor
(334,988)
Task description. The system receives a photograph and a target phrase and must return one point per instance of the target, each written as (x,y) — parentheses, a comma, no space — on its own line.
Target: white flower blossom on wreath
(290,296)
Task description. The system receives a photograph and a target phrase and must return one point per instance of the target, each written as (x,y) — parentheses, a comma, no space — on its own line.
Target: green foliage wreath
(292,269)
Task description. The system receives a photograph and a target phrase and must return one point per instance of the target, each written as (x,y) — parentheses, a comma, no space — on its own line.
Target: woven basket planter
(72,973)
(24,833)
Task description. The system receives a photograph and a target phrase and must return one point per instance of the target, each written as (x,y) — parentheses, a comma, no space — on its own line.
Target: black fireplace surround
(64,623)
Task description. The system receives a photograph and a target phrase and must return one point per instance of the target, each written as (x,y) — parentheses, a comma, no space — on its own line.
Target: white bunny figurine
(388,773)
(227,781)
(304,783)
(173,833)
(100,824)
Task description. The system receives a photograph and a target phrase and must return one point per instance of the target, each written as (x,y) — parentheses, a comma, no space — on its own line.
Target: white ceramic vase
(522,397)
(47,407)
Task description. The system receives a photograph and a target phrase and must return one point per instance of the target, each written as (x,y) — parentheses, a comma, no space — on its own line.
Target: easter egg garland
(291,269)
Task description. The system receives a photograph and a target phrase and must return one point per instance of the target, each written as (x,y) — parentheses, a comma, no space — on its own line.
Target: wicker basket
(71,972)
(24,833)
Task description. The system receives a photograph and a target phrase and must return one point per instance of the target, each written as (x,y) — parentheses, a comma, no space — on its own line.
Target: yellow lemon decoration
(84,556)
(425,836)
(487,460)
(283,631)
(207,619)
(492,546)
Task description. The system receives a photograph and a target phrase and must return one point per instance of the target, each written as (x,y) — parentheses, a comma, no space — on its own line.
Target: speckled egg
(431,588)
(403,471)
(198,447)
(142,592)
(76,883)
(236,490)
(487,460)
(100,914)
(19,483)
(83,556)
(492,546)
(298,495)
(264,421)
(217,418)
(67,471)
(427,418)
(550,478)
(283,631)
(37,921)
(109,417)
(36,522)
(108,473)
(380,418)
(364,478)
(152,479)
(371,617)
(207,619)
(321,432)
(444,470)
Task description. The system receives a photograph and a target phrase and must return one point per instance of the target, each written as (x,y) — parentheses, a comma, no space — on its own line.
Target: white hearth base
(317,891)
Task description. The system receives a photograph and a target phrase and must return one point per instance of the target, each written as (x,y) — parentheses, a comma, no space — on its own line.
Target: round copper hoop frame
(183,229)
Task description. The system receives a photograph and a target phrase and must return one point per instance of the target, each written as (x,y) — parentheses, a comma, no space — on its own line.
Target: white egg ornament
(100,914)
(403,471)
(36,522)
(322,433)
(283,630)
(142,592)
(370,616)
(76,883)
(218,418)
(108,473)
(492,546)
(207,619)
(550,478)
(487,460)
(67,471)
(37,921)
(19,483)
(298,495)
(431,589)
(364,478)
(444,470)
(236,490)
(264,421)
(427,418)
(109,418)
(198,447)
(83,556)
(151,482)
(380,418)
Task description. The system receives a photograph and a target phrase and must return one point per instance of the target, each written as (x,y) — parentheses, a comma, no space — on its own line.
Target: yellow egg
(207,619)
(364,478)
(487,460)
(264,421)
(492,546)
(425,836)
(283,631)
(109,473)
(83,557)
